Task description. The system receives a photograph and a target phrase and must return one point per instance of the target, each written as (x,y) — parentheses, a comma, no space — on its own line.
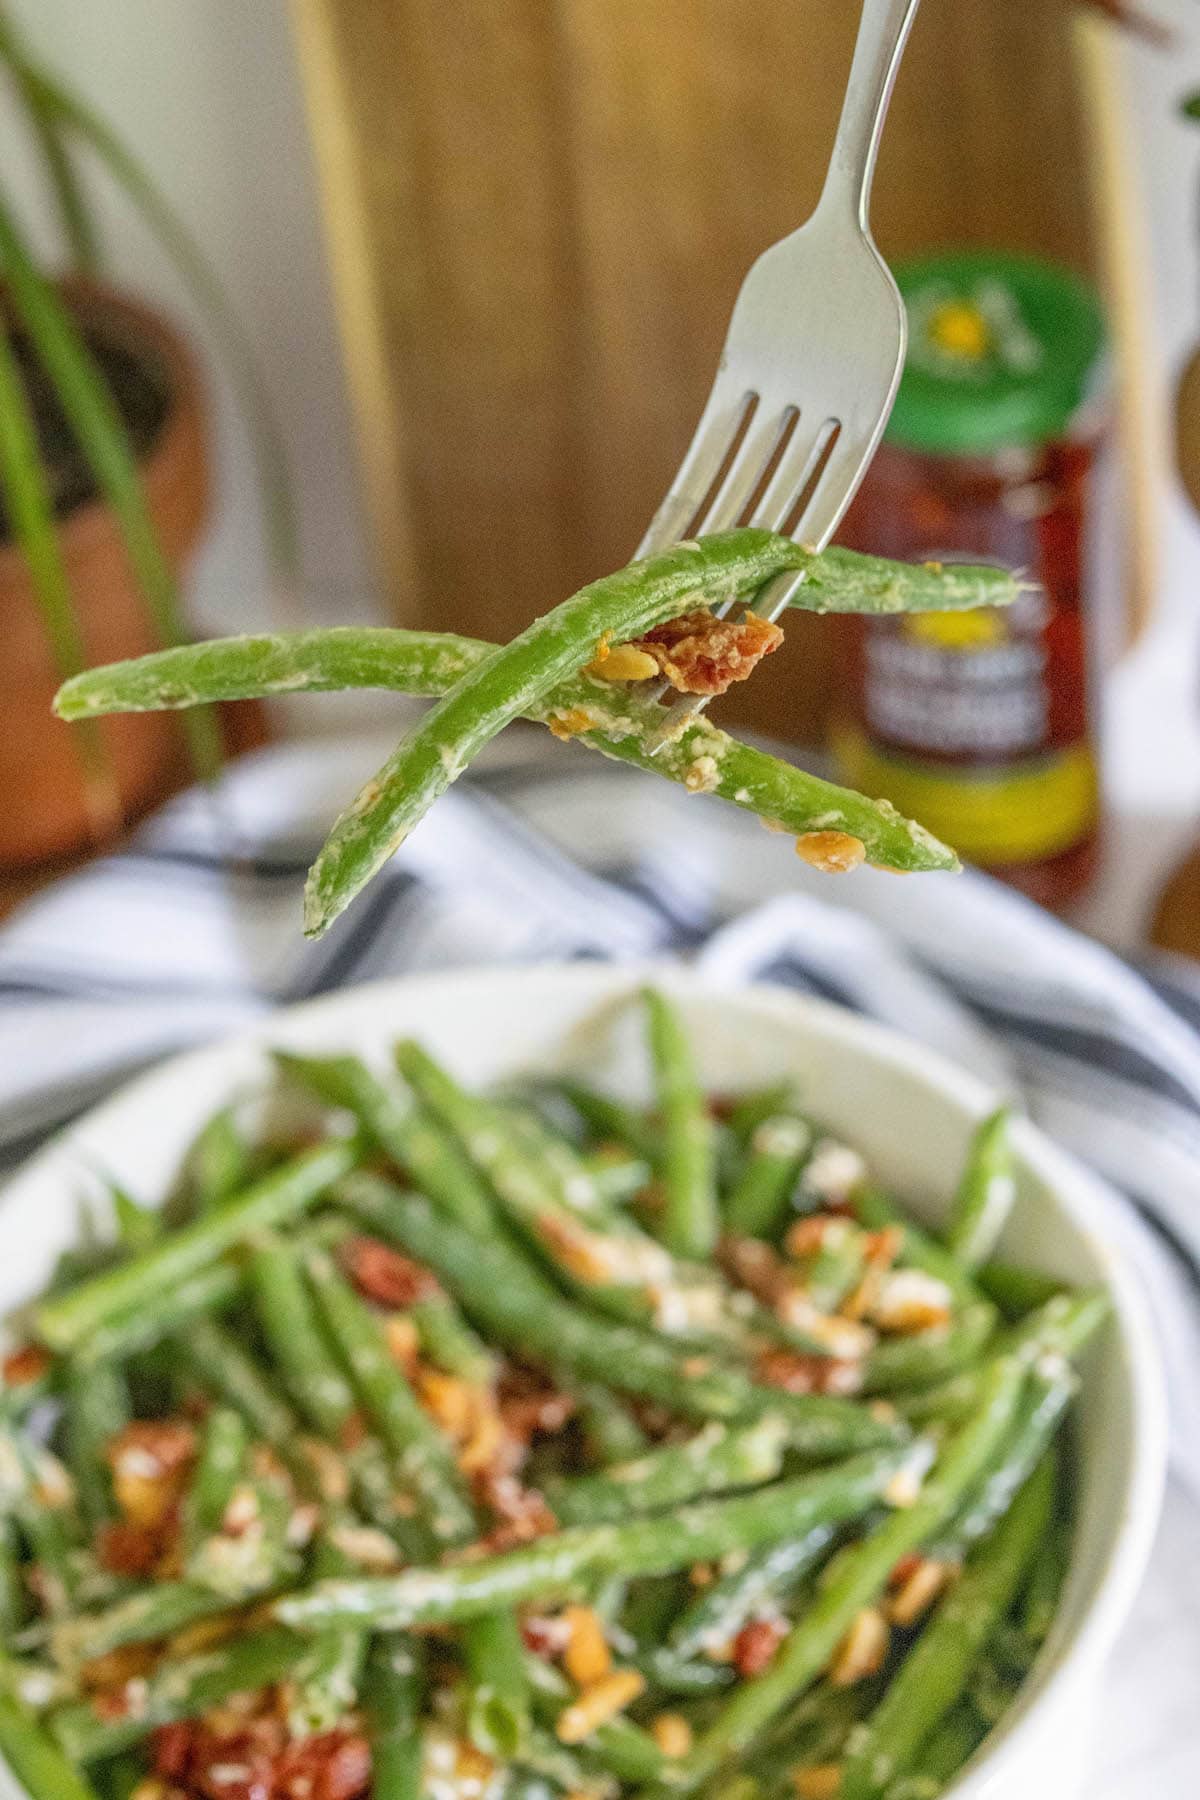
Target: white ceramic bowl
(910,1113)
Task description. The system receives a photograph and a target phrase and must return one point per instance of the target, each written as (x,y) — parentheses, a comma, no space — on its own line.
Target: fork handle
(882,33)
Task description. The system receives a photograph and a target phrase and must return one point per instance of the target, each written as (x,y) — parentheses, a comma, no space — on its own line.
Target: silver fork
(812,360)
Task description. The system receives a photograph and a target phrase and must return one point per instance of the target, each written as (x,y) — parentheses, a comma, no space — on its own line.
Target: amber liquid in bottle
(988,714)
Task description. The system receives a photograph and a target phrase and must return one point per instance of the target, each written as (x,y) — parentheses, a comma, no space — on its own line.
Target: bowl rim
(1076,1191)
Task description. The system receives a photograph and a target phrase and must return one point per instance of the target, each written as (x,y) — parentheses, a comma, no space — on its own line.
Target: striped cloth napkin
(194,931)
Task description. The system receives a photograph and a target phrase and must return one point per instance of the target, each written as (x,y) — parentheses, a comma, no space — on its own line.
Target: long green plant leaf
(75,117)
(62,176)
(33,527)
(100,430)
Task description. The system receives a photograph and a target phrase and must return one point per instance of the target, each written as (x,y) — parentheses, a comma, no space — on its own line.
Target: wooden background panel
(557,200)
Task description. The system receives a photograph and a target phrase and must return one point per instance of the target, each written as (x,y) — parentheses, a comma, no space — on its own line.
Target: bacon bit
(113,1704)
(832,852)
(755,1266)
(918,1593)
(821,1781)
(909,1300)
(702,1574)
(26,1365)
(383,1275)
(862,1649)
(587,1658)
(598,1704)
(570,724)
(124,1548)
(150,1460)
(253,1760)
(626,663)
(796,1373)
(672,1733)
(755,1645)
(529,1411)
(701,654)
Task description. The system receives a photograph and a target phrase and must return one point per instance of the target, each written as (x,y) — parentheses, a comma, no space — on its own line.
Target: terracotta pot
(43,812)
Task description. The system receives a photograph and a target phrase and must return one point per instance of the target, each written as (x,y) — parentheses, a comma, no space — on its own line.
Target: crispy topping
(598,1704)
(587,1658)
(251,1758)
(625,663)
(820,1781)
(672,1733)
(796,1373)
(572,723)
(701,654)
(918,1591)
(832,852)
(910,1300)
(862,1649)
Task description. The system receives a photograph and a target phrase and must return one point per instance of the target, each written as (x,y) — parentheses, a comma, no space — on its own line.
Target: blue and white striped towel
(542,854)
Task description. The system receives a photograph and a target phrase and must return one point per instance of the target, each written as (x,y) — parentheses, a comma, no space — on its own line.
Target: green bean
(415,1142)
(392,1695)
(758,1204)
(652,1546)
(924,1357)
(1039,1603)
(296,1338)
(449,1342)
(1062,1327)
(139,1328)
(620,1746)
(985,1194)
(719,1611)
(36,1761)
(935,1672)
(38,1491)
(180,1690)
(689,1222)
(12,1599)
(750,1110)
(96,1407)
(119,1777)
(672,1674)
(224,1442)
(613,1120)
(137,1226)
(219,1364)
(139,1617)
(482,701)
(617,1175)
(719,1458)
(570,1771)
(611,1432)
(512,1301)
(324,1687)
(498,1708)
(1016,1291)
(66,1320)
(430,662)
(859,1579)
(940,1757)
(423,1456)
(219,1163)
(1048,1393)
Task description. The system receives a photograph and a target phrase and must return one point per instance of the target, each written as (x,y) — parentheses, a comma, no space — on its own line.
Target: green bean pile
(529,1445)
(554,674)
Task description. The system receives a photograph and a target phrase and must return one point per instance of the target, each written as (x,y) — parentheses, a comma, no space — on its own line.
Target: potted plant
(104,484)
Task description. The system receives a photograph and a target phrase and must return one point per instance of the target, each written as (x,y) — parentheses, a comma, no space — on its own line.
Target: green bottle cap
(1002,352)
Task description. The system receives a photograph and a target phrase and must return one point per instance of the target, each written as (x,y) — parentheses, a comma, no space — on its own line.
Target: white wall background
(206,92)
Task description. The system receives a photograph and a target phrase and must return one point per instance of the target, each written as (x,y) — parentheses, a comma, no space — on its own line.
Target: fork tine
(748,468)
(790,479)
(835,489)
(714,438)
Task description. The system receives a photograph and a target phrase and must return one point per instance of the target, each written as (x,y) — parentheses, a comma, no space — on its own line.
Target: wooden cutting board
(539,212)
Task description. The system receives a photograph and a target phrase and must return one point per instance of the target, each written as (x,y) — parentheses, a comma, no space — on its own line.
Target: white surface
(909,1111)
